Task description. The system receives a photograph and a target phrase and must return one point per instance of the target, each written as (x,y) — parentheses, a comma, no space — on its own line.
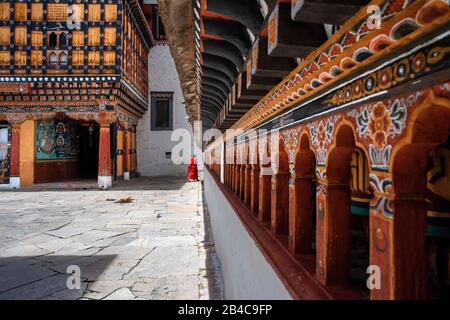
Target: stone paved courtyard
(155,245)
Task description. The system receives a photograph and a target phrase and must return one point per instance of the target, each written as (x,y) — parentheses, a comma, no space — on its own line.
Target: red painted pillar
(104,158)
(14,174)
(238,179)
(126,156)
(248,190)
(242,182)
(300,215)
(280,203)
(264,195)
(254,189)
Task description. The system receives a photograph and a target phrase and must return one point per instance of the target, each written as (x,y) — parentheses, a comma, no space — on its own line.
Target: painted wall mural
(5,140)
(56,139)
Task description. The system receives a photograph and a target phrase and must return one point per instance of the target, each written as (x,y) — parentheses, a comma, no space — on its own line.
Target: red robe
(192,170)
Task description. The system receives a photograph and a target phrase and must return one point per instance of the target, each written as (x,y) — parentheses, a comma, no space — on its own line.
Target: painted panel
(5,153)
(56,139)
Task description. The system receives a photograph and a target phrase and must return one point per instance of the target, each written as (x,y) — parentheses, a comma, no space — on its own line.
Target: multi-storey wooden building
(355,100)
(73,84)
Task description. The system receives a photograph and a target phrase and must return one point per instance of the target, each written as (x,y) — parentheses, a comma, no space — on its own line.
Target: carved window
(109,58)
(77,58)
(36,12)
(57,12)
(20,58)
(110,36)
(36,57)
(94,58)
(161,115)
(63,59)
(78,38)
(5,35)
(53,59)
(4,11)
(53,40)
(4,58)
(20,11)
(94,36)
(94,12)
(20,36)
(63,40)
(110,12)
(36,38)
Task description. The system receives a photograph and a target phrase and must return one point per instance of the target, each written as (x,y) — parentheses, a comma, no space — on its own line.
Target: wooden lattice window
(110,36)
(36,12)
(20,36)
(77,58)
(20,11)
(4,11)
(36,58)
(36,38)
(5,35)
(78,38)
(20,58)
(110,12)
(109,58)
(94,58)
(94,12)
(57,12)
(94,36)
(4,58)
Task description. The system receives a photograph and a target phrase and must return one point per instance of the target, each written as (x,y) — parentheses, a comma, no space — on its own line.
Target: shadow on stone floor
(213,271)
(46,277)
(166,183)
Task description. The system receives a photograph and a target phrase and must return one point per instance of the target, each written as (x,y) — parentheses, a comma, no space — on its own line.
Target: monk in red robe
(192,169)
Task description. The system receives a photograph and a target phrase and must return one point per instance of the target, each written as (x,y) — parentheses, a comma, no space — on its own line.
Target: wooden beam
(242,92)
(328,11)
(263,65)
(287,38)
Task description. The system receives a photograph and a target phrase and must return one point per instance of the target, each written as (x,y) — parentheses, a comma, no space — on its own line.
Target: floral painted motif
(321,136)
(291,142)
(381,123)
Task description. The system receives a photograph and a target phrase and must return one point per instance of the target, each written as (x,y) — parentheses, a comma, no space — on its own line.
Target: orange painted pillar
(264,196)
(104,158)
(242,182)
(300,215)
(238,179)
(126,155)
(334,251)
(280,203)
(14,171)
(254,189)
(248,185)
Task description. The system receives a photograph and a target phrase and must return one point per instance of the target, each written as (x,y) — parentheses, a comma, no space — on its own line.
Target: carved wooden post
(104,150)
(14,179)
(126,154)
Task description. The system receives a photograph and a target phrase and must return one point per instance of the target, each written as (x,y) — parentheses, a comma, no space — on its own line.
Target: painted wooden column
(248,184)
(264,197)
(254,188)
(237,179)
(301,197)
(280,202)
(126,154)
(333,247)
(104,149)
(14,180)
(242,182)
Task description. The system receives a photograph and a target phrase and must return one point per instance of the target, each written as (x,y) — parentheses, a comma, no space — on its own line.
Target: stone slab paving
(157,246)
